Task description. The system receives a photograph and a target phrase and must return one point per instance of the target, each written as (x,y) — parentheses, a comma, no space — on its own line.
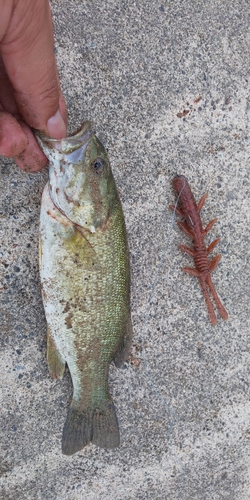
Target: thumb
(27,50)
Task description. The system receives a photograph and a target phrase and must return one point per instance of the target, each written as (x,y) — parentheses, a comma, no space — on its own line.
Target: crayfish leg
(191,271)
(212,245)
(214,262)
(184,228)
(177,209)
(188,250)
(201,202)
(208,227)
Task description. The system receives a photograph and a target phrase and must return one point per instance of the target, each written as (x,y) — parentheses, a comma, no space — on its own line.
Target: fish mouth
(73,146)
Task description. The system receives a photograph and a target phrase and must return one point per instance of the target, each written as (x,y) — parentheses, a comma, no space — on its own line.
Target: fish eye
(98,165)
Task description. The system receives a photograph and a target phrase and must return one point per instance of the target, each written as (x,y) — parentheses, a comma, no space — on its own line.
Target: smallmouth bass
(85,280)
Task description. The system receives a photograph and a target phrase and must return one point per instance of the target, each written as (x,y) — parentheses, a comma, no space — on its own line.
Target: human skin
(30,94)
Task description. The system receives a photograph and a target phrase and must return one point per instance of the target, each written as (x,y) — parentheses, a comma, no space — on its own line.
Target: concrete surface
(167,85)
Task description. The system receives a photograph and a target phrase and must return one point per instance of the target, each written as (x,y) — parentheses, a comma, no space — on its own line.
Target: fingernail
(56,126)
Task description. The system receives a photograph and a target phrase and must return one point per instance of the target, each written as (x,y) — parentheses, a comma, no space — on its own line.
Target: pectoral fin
(81,249)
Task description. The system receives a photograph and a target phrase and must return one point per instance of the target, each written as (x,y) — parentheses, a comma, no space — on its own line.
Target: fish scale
(85,279)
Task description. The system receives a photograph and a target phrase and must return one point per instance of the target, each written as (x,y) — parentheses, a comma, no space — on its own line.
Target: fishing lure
(192,226)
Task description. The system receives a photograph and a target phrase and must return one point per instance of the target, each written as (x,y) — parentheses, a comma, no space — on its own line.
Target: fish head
(81,183)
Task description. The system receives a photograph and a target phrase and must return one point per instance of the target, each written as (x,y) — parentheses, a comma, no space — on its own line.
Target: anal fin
(55,361)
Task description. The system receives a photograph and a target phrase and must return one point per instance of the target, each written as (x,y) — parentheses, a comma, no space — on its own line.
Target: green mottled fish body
(85,282)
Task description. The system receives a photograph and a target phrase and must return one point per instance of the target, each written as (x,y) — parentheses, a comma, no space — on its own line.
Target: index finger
(27,49)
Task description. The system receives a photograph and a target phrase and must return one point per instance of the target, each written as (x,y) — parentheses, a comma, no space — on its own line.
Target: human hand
(30,94)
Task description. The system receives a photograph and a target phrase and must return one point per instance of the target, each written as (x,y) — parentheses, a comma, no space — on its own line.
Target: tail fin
(77,431)
(99,426)
(105,427)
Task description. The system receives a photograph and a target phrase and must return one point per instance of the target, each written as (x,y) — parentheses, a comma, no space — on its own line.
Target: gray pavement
(167,87)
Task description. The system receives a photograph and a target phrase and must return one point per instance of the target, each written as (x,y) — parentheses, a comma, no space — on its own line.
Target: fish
(85,282)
